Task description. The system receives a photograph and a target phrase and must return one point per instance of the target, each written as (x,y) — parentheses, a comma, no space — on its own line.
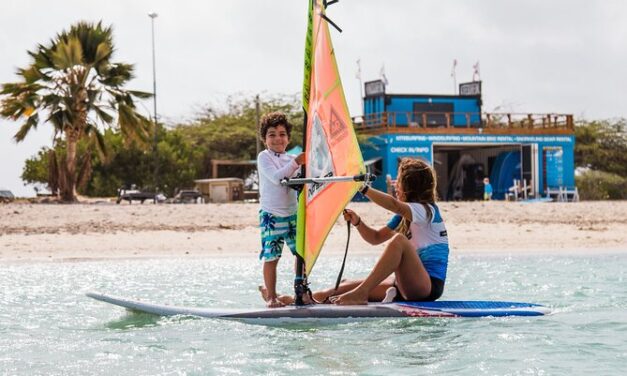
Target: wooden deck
(464,123)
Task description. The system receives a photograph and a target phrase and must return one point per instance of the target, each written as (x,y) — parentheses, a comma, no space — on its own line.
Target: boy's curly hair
(274,119)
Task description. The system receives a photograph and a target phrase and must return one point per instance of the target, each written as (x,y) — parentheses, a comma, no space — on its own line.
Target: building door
(530,167)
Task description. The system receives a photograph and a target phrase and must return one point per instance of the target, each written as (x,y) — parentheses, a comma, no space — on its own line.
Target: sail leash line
(348,239)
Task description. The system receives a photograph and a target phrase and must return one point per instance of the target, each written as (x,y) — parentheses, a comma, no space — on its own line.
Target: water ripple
(48,326)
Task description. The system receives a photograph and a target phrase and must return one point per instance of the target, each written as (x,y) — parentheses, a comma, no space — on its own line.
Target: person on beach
(487,189)
(417,256)
(416,259)
(277,215)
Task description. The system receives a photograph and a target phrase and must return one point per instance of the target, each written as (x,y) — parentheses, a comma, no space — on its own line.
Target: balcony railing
(453,121)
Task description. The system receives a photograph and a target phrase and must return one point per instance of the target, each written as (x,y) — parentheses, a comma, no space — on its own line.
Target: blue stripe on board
(470,304)
(479,308)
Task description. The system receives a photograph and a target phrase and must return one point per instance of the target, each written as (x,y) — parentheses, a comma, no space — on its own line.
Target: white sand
(35,232)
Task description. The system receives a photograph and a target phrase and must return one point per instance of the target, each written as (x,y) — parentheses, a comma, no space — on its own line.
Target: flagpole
(454,75)
(361,87)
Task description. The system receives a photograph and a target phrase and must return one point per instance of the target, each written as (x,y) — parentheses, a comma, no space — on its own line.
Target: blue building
(464,144)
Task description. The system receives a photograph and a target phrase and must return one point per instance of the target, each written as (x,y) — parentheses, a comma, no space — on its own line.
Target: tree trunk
(73,134)
(68,187)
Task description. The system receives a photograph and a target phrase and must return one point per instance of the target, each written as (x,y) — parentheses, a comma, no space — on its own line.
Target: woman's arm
(369,234)
(388,202)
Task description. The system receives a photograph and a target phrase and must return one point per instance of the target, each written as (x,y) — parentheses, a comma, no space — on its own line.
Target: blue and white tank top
(429,237)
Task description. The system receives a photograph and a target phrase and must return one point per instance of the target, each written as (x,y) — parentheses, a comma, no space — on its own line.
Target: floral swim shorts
(275,232)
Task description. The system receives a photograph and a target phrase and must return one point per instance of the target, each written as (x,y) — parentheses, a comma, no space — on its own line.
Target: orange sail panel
(331,146)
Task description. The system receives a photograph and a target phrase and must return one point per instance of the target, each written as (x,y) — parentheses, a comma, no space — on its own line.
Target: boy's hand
(300,159)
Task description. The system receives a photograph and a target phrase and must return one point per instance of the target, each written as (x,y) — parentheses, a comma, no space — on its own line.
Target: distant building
(465,144)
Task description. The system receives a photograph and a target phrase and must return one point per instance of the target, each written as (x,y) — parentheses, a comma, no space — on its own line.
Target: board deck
(334,312)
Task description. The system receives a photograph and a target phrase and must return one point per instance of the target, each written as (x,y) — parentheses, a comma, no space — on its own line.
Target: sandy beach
(102,230)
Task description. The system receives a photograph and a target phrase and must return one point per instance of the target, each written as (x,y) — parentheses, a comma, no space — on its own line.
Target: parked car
(6,195)
(134,194)
(188,196)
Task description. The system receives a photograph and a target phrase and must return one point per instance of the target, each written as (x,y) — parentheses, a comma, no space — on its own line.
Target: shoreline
(52,232)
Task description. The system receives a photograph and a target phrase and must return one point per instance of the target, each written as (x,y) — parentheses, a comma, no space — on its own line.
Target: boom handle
(328,179)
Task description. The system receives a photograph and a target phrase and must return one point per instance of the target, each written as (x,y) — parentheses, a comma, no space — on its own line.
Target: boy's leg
(271,247)
(269,279)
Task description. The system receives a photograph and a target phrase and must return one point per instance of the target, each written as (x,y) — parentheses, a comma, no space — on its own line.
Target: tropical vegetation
(601,155)
(184,151)
(73,85)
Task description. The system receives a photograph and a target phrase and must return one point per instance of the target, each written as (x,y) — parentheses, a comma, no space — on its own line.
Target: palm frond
(140,94)
(103,53)
(103,115)
(133,125)
(31,123)
(68,54)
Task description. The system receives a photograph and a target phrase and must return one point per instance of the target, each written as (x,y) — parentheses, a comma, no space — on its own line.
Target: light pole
(152,16)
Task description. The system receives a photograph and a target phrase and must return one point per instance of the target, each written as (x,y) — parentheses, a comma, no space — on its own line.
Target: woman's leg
(399,257)
(322,296)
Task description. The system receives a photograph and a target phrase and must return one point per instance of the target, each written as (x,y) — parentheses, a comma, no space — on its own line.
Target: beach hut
(221,189)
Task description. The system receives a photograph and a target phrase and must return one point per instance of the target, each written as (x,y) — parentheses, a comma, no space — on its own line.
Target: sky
(559,56)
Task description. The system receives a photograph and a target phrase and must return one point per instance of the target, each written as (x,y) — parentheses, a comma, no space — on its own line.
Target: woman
(418,252)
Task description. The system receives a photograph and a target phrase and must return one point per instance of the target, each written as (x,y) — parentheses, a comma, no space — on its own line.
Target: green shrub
(600,185)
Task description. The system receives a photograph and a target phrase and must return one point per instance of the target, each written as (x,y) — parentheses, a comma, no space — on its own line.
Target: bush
(600,185)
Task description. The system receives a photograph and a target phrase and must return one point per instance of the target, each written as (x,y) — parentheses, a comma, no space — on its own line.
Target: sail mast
(330,145)
(300,280)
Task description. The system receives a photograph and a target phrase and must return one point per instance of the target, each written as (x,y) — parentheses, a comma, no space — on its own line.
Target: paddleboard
(450,309)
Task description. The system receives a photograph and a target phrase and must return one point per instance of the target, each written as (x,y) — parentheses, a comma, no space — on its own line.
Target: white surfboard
(334,313)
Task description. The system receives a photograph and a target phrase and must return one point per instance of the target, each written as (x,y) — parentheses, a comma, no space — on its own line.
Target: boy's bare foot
(274,303)
(264,293)
(284,299)
(353,297)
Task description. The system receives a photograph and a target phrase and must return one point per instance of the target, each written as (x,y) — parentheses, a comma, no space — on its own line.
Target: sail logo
(337,128)
(321,163)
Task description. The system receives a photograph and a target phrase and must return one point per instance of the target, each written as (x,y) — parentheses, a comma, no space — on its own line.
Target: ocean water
(48,326)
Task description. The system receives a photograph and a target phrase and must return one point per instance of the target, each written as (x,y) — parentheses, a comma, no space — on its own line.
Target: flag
(382,74)
(358,74)
(475,72)
(453,69)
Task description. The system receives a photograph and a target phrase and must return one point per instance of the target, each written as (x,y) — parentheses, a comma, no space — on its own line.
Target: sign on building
(374,88)
(470,88)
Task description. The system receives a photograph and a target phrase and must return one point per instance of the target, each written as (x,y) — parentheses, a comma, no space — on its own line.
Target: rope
(348,239)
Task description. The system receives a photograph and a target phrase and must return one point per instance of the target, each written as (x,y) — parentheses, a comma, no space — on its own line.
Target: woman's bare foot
(321,297)
(353,297)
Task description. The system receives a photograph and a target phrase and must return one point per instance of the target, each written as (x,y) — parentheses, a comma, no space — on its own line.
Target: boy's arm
(390,203)
(268,169)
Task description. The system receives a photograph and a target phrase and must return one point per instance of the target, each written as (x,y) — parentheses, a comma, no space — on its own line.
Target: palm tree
(267,221)
(73,85)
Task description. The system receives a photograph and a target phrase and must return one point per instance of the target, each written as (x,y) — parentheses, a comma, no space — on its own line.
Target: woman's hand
(351,216)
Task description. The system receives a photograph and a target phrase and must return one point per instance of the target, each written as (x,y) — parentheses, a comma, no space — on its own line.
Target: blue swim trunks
(275,232)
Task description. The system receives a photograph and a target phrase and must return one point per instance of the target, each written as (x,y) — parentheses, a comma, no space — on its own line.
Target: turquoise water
(48,326)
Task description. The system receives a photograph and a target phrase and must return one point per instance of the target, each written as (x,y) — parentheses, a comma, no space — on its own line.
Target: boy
(487,189)
(277,215)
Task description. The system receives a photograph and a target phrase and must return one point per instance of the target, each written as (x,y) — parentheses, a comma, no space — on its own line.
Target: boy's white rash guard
(273,197)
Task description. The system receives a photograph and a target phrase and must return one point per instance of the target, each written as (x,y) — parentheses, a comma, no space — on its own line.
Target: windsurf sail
(330,144)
